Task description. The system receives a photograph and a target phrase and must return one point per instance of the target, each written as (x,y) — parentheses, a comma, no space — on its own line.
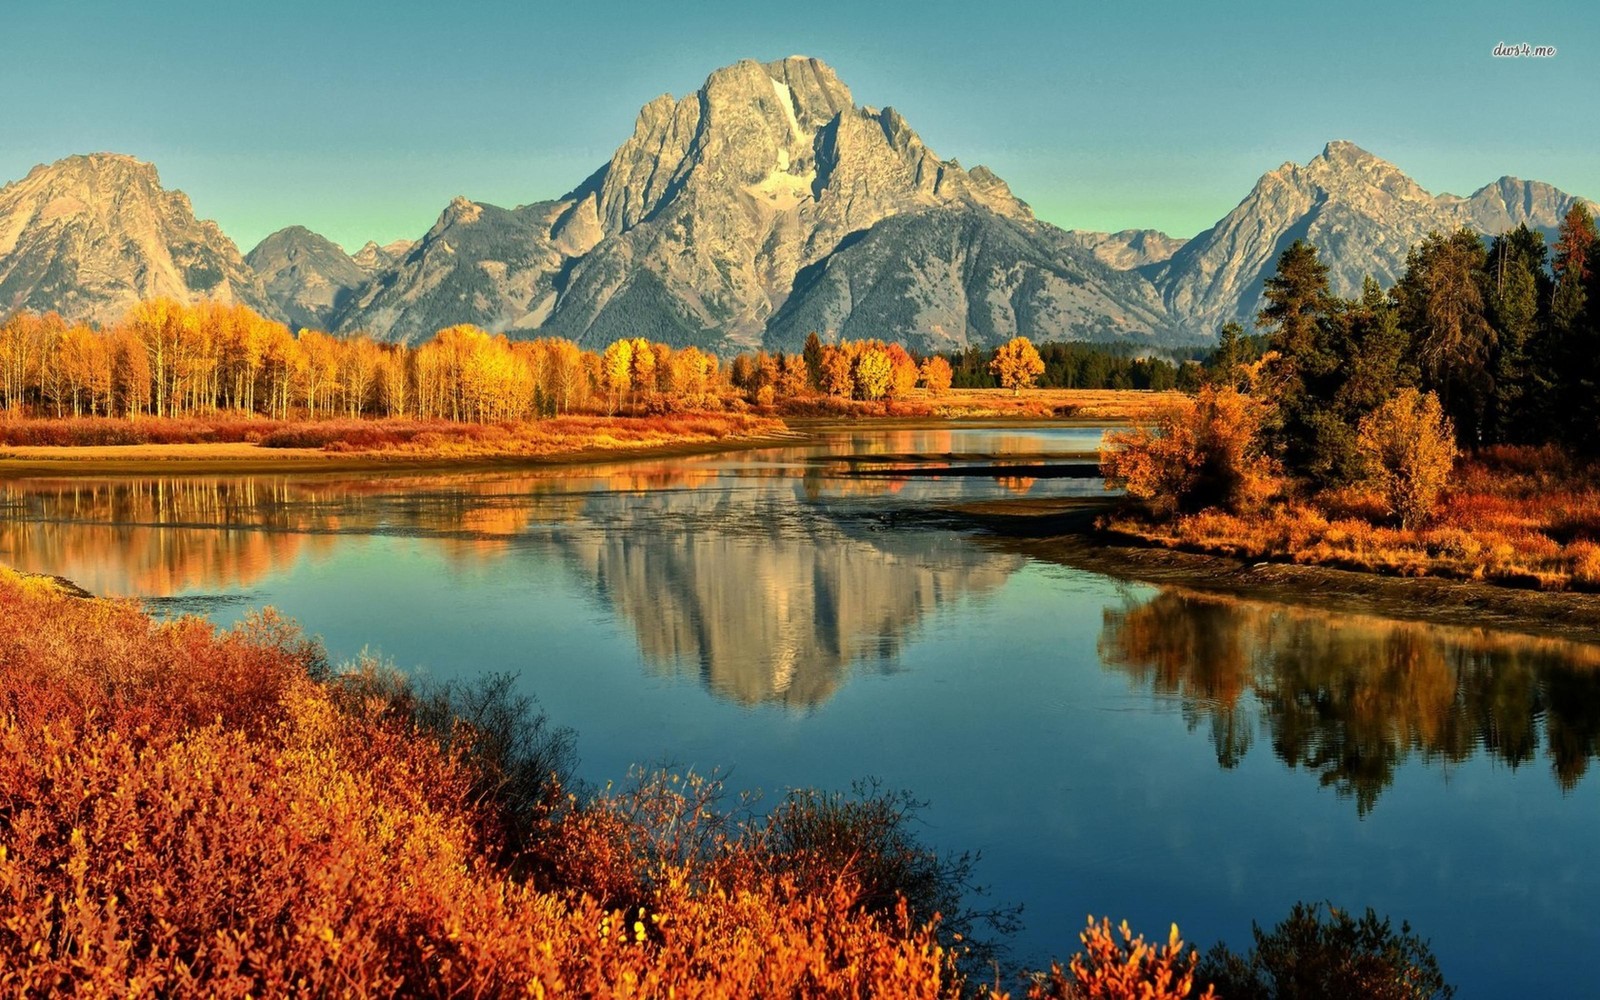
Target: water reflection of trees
(1349,698)
(768,587)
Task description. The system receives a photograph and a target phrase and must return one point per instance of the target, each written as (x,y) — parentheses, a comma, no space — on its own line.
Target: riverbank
(363,448)
(245,445)
(1065,532)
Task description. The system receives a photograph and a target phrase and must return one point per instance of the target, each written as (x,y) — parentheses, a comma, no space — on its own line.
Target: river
(794,617)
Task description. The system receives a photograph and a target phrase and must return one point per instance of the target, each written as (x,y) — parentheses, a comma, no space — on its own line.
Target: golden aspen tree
(1017,364)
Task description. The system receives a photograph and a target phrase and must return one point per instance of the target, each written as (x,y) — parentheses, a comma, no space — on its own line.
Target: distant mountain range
(763,206)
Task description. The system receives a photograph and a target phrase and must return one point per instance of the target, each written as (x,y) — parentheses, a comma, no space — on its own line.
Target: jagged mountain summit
(88,236)
(1129,248)
(718,207)
(763,206)
(1361,212)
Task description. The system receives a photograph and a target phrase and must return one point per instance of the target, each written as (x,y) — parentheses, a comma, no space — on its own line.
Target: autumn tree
(874,373)
(1208,453)
(1409,448)
(1573,266)
(902,372)
(1017,364)
(837,378)
(794,379)
(936,375)
(160,326)
(616,369)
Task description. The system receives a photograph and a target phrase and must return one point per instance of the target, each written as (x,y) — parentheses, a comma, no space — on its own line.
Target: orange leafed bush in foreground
(1108,969)
(192,812)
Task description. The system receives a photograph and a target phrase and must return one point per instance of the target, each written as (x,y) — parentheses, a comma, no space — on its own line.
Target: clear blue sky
(362,120)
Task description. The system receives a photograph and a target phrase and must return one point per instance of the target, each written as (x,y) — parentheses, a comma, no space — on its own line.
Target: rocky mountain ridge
(762,206)
(88,236)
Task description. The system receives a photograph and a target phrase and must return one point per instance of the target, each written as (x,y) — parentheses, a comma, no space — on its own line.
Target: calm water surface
(797,618)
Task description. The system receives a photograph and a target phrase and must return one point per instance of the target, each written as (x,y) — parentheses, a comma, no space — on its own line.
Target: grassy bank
(1071,532)
(1108,405)
(1517,517)
(91,445)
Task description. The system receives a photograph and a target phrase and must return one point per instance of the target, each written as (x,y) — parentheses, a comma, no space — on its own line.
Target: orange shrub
(187,811)
(1409,448)
(1130,969)
(1208,454)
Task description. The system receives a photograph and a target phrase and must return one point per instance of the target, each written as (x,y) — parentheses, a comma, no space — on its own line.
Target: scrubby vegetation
(186,811)
(1323,953)
(1443,427)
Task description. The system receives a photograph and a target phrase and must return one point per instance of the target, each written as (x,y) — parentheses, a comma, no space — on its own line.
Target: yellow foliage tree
(874,373)
(1409,450)
(1017,364)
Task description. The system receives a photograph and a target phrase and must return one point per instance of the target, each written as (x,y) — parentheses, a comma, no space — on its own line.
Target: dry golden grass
(379,440)
(1083,404)
(1515,516)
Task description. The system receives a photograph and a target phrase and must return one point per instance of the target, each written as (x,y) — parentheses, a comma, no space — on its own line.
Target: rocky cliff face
(493,267)
(372,258)
(1361,212)
(943,279)
(88,236)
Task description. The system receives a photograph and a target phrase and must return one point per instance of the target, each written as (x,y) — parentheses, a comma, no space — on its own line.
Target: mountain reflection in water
(769,584)
(1348,697)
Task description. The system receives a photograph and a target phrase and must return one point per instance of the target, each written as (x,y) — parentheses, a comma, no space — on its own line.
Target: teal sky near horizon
(362,120)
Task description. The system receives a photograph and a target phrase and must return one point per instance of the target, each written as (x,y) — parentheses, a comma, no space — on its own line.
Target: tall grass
(396,435)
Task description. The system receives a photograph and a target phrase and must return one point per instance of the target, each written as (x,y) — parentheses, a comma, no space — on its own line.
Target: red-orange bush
(1208,454)
(186,811)
(1130,969)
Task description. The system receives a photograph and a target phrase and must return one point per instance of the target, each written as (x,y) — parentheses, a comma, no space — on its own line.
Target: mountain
(945,279)
(1129,248)
(763,206)
(1361,212)
(88,236)
(307,276)
(724,202)
(1510,202)
(372,258)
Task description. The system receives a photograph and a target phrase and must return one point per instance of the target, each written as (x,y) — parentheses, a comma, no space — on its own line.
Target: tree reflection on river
(1348,698)
(768,592)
